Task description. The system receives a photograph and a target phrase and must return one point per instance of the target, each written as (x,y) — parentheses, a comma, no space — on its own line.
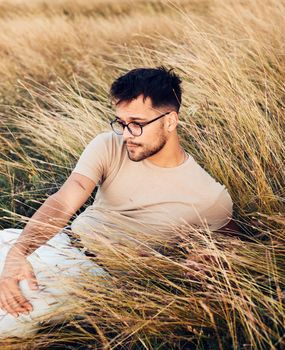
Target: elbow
(231,227)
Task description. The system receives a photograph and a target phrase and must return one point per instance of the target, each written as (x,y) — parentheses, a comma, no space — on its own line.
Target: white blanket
(54,259)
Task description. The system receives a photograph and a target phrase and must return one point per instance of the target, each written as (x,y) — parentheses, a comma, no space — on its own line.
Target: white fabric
(54,259)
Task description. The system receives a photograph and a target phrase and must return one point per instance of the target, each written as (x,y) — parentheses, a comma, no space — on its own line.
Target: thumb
(32,280)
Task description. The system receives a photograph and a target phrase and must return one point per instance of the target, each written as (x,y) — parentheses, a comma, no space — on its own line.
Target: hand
(16,268)
(201,265)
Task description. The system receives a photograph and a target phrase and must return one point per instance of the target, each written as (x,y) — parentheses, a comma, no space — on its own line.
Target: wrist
(16,251)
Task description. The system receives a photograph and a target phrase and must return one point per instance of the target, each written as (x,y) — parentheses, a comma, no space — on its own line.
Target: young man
(147,182)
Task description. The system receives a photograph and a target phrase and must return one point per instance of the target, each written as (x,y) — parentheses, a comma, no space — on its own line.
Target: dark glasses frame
(141,125)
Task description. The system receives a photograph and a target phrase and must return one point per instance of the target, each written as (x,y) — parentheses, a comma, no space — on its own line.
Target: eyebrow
(133,118)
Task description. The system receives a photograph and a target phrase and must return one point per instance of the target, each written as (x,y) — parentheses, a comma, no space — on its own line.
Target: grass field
(57,61)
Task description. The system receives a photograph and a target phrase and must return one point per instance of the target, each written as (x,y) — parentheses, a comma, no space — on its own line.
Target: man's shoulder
(102,154)
(202,177)
(107,138)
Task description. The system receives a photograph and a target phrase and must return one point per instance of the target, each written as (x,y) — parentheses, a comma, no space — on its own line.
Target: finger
(22,301)
(6,307)
(210,258)
(193,265)
(15,298)
(25,305)
(14,304)
(1,306)
(32,280)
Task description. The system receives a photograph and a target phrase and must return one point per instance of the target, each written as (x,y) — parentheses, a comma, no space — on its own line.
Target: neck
(170,156)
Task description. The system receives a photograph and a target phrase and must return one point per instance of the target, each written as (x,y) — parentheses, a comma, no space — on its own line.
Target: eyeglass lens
(134,128)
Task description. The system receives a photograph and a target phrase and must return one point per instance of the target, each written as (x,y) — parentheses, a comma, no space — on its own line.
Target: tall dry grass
(231,60)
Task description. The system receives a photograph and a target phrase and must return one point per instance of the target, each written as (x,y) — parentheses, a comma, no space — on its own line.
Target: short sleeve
(219,213)
(95,158)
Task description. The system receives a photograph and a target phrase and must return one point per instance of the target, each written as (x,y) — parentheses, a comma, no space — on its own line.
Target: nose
(127,134)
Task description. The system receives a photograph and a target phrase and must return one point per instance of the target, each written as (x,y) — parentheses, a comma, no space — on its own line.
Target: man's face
(154,135)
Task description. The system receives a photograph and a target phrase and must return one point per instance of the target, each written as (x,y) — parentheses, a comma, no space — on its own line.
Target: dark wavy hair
(160,84)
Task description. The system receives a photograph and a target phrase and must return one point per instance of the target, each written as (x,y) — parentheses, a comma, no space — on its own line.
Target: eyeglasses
(135,128)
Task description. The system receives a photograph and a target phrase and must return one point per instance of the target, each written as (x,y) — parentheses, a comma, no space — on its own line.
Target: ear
(172,121)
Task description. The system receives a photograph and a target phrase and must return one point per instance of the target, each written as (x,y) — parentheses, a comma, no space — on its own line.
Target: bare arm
(199,263)
(51,217)
(231,227)
(54,214)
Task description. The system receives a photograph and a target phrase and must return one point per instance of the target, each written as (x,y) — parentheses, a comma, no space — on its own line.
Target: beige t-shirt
(141,195)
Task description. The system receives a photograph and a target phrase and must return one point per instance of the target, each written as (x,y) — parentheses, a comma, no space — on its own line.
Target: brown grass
(231,60)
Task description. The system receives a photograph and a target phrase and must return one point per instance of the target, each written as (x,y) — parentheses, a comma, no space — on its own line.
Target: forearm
(231,227)
(48,220)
